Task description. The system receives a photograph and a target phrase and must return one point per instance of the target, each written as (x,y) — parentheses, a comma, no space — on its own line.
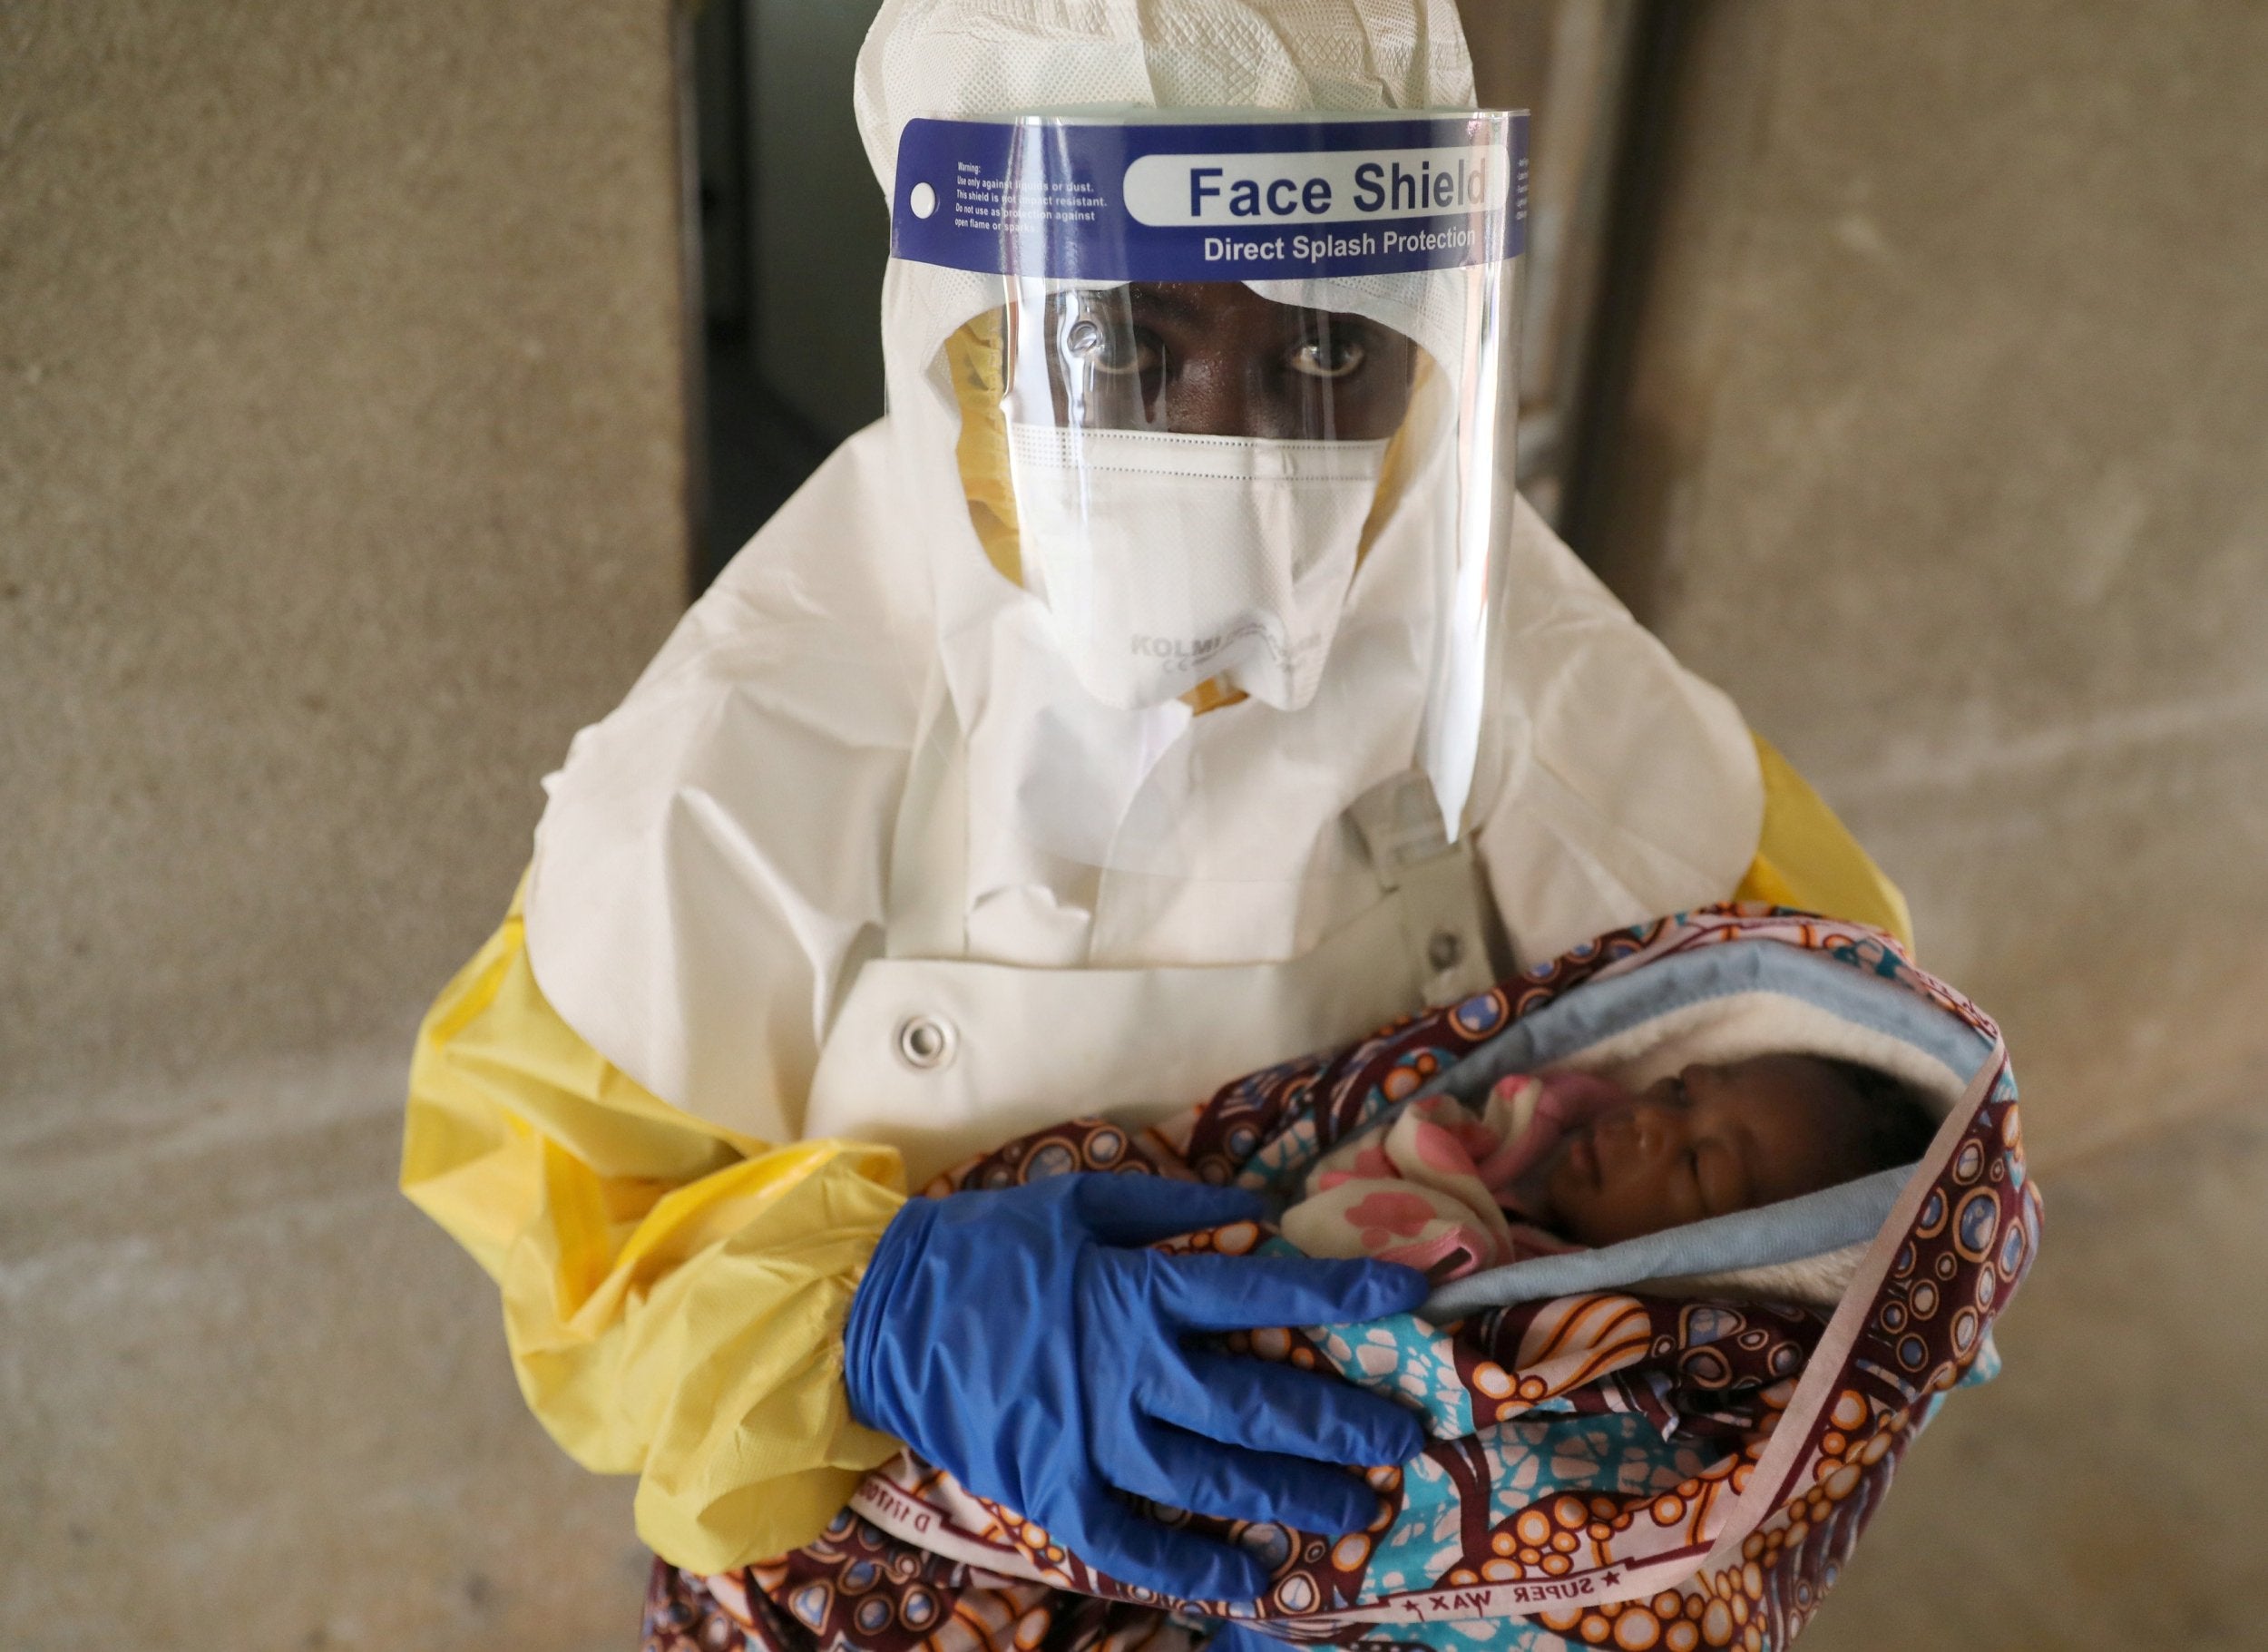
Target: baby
(1560,1161)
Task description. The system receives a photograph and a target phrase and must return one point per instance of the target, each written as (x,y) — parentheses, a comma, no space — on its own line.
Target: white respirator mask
(1164,560)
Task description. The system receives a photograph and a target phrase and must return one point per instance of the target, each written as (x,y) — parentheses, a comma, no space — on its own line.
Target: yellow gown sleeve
(1806,858)
(674,1295)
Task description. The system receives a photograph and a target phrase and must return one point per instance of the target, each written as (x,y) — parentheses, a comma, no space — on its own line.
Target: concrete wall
(1947,453)
(341,479)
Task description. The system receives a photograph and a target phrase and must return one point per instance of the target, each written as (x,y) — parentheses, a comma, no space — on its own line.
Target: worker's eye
(1331,353)
(1103,345)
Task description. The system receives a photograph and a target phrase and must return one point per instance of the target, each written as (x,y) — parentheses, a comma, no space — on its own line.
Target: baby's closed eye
(1720,1176)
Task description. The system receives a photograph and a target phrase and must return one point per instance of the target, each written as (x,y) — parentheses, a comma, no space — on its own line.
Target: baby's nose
(1659,1125)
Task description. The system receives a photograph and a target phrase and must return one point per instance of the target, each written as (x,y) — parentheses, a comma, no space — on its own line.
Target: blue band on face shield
(1161,201)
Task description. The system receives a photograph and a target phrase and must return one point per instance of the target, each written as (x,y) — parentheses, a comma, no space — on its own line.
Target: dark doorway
(793,236)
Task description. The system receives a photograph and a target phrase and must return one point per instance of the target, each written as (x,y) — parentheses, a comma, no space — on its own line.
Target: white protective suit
(773,915)
(739,898)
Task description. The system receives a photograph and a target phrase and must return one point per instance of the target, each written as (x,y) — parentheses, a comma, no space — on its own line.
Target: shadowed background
(1906,366)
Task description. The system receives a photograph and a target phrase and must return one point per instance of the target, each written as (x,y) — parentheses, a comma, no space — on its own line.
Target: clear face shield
(1235,405)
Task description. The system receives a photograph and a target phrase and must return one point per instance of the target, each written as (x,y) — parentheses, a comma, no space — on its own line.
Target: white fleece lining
(1818,1281)
(1744,1025)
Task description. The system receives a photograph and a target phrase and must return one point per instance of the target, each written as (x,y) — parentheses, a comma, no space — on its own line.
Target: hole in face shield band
(1167,559)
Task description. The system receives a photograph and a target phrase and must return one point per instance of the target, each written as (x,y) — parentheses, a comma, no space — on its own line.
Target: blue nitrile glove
(1022,1340)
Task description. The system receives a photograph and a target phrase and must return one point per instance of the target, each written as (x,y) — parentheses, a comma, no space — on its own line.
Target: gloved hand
(1021,1339)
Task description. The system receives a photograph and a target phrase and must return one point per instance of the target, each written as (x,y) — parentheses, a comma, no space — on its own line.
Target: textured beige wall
(2102,1495)
(341,478)
(1949,458)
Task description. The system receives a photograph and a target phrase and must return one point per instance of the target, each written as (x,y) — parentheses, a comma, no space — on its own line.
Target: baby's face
(1708,1141)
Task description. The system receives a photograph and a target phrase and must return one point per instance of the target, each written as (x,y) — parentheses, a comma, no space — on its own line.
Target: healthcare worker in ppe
(1172,684)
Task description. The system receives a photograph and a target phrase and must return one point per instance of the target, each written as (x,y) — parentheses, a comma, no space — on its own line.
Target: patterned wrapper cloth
(1611,1469)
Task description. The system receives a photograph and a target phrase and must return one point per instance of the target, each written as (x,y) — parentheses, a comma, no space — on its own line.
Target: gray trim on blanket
(1789,1231)
(1597,1011)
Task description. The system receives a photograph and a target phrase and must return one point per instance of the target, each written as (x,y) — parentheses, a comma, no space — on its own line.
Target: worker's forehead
(1198,298)
(1208,304)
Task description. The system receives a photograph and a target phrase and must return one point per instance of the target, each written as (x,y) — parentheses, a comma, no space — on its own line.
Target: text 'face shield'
(1236,403)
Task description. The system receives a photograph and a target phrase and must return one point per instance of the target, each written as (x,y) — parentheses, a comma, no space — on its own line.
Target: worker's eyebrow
(1167,300)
